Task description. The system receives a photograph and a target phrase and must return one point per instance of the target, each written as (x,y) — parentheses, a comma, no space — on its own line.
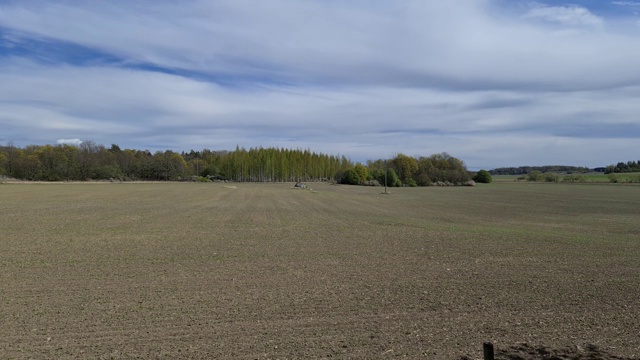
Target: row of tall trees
(92,161)
(266,165)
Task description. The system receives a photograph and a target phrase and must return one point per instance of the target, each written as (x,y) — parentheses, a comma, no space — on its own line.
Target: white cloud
(413,43)
(565,15)
(75,142)
(626,3)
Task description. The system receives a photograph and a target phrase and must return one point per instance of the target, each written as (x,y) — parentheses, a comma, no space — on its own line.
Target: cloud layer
(495,83)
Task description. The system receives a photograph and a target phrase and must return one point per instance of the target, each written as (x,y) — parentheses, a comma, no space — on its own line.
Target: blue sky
(492,82)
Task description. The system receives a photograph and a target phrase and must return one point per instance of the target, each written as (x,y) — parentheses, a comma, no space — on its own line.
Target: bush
(614,178)
(551,177)
(350,177)
(410,182)
(535,175)
(574,178)
(483,176)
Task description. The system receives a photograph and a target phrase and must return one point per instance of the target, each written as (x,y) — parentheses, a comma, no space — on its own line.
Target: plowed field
(263,271)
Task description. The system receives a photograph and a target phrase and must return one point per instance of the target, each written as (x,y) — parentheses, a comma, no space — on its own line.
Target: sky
(494,83)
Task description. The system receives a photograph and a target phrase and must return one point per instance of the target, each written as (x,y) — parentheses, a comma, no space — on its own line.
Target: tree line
(93,161)
(622,167)
(523,170)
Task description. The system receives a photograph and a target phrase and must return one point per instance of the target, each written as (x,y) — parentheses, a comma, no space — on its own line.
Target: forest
(91,161)
(621,167)
(523,170)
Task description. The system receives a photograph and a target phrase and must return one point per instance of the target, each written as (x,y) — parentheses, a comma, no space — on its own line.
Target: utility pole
(385,176)
(386,170)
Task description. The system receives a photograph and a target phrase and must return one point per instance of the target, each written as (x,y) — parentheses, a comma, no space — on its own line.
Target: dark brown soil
(265,272)
(525,352)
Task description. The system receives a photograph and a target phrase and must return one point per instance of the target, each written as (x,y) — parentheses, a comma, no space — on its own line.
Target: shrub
(411,182)
(574,178)
(535,175)
(614,178)
(551,177)
(483,176)
(350,177)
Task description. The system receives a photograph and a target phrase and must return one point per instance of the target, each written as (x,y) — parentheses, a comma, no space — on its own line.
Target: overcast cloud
(492,82)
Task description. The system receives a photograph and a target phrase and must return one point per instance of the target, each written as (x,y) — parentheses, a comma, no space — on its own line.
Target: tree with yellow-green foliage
(362,171)
(406,167)
(3,161)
